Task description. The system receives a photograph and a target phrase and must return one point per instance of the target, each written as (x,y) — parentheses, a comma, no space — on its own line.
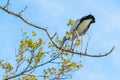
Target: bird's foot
(72,50)
(81,53)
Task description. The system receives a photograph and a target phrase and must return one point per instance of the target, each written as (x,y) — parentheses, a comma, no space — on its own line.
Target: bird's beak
(93,21)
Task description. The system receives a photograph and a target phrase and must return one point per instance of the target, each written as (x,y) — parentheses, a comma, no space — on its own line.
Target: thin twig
(54,35)
(23,10)
(8,3)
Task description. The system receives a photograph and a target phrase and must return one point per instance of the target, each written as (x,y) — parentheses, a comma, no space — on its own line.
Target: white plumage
(82,28)
(79,27)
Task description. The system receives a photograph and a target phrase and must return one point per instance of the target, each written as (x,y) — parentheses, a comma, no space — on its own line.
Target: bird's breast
(83,26)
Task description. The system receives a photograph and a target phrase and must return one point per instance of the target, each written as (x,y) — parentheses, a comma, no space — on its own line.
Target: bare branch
(23,19)
(23,10)
(54,35)
(30,69)
(18,65)
(48,34)
(8,3)
(56,62)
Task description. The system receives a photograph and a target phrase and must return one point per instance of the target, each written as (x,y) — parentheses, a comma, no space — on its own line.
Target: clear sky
(54,14)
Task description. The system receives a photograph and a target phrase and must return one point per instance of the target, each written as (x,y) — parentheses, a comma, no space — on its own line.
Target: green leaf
(68,33)
(70,22)
(34,33)
(78,42)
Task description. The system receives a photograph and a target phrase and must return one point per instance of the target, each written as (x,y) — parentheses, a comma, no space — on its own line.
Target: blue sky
(54,14)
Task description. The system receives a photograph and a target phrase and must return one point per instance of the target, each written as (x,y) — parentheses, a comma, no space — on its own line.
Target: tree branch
(44,29)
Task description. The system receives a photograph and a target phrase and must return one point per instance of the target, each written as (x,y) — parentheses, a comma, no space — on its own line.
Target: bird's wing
(74,28)
(75,24)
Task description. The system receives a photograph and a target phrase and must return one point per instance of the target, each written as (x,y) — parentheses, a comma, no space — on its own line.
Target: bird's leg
(77,36)
(72,49)
(81,43)
(71,46)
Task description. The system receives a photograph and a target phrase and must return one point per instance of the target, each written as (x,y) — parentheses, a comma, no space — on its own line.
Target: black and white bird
(79,27)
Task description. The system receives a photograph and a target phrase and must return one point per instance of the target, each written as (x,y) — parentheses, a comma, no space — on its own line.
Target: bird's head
(91,17)
(88,17)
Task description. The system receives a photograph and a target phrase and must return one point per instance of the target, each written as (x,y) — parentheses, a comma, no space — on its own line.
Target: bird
(79,27)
